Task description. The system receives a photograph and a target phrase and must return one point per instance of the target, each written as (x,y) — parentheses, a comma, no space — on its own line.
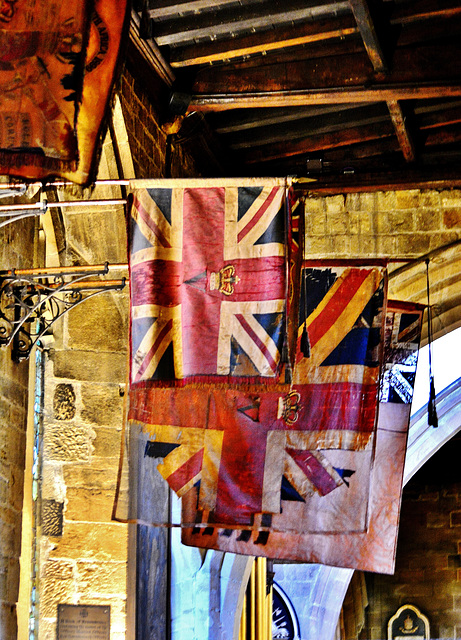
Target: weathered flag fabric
(110,21)
(371,549)
(308,442)
(42,51)
(241,457)
(57,70)
(208,271)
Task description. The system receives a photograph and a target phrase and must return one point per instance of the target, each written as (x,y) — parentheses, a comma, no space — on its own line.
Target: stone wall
(16,250)
(83,554)
(403,224)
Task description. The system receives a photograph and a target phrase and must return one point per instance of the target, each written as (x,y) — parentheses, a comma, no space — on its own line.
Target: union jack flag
(243,452)
(208,281)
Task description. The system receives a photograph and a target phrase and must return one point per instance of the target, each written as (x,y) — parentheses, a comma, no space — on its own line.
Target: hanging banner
(58,63)
(208,270)
(305,445)
(42,53)
(108,34)
(371,549)
(213,265)
(238,457)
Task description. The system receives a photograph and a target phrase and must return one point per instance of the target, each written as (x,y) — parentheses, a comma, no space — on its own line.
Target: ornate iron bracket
(31,300)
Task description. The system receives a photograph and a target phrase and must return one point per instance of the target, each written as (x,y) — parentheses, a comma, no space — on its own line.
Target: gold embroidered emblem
(289,407)
(224,280)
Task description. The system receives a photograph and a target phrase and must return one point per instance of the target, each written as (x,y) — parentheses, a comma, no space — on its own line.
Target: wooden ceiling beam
(261,118)
(418,10)
(222,23)
(368,33)
(416,71)
(434,119)
(429,178)
(322,124)
(262,43)
(307,97)
(314,144)
(401,130)
(370,39)
(167,9)
(351,144)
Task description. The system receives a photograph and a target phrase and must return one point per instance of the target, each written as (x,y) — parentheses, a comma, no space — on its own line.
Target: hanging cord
(432,418)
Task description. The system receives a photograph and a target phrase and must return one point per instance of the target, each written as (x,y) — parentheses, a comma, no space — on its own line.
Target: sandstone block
(89,366)
(106,579)
(8,625)
(335,204)
(428,220)
(413,244)
(407,199)
(452,218)
(386,201)
(102,404)
(107,442)
(64,402)
(401,221)
(92,541)
(90,476)
(317,247)
(99,324)
(57,586)
(337,224)
(69,444)
(89,505)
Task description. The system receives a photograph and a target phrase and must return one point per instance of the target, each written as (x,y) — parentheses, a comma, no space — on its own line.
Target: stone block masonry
(406,224)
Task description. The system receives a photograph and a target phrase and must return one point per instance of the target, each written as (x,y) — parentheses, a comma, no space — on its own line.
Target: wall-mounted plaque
(83,622)
(408,622)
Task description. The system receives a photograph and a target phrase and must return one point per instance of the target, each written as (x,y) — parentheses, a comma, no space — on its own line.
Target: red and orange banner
(57,67)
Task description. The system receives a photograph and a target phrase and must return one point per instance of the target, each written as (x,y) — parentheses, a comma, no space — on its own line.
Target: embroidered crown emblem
(289,407)
(224,280)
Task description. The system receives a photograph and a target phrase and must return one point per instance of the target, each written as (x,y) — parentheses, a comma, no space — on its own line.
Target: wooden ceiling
(354,94)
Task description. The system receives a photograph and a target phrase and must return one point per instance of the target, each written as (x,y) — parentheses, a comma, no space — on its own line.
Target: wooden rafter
(262,43)
(367,30)
(422,66)
(222,102)
(358,139)
(313,144)
(417,10)
(401,130)
(167,9)
(222,23)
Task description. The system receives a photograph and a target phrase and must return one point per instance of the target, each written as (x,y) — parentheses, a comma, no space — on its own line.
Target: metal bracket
(31,300)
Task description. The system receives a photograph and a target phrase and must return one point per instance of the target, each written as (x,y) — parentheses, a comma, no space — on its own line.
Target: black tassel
(432,418)
(305,344)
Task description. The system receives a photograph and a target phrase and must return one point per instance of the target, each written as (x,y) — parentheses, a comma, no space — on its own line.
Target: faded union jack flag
(208,280)
(323,529)
(240,457)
